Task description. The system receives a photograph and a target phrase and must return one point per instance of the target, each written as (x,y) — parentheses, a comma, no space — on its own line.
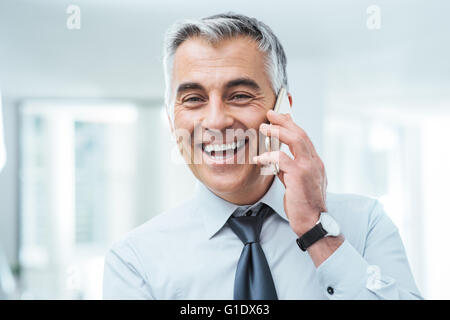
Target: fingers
(285,120)
(296,143)
(281,119)
(284,162)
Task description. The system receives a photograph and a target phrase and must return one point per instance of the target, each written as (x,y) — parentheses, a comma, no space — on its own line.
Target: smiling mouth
(219,151)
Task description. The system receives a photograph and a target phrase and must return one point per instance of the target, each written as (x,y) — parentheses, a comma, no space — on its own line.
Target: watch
(325,227)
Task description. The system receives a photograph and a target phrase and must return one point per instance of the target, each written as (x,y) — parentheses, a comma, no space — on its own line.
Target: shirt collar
(215,211)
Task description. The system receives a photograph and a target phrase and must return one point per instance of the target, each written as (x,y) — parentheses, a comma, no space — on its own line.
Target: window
(400,157)
(78,177)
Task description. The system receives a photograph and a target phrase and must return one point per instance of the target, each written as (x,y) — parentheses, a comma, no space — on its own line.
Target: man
(245,235)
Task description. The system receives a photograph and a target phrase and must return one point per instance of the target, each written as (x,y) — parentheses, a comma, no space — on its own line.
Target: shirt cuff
(343,274)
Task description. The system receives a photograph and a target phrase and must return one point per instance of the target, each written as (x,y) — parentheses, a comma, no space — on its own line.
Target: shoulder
(350,202)
(161,229)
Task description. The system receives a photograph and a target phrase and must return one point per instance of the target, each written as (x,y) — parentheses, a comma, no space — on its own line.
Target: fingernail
(264,126)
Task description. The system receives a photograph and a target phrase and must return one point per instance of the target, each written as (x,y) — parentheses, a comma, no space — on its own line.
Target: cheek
(251,117)
(188,117)
(184,122)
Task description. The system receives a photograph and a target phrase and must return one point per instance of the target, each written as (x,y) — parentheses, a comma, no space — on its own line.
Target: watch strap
(314,234)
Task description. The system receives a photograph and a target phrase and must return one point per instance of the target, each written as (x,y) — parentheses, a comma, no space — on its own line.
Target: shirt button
(330,290)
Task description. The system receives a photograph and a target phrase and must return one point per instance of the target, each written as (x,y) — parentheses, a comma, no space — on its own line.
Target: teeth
(224,147)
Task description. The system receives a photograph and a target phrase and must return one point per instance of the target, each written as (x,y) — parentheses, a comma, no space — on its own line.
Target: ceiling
(117,51)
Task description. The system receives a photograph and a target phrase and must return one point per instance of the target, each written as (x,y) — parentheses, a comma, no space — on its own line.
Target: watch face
(330,225)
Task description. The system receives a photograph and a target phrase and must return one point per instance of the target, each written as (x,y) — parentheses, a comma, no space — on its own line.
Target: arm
(342,271)
(381,271)
(123,277)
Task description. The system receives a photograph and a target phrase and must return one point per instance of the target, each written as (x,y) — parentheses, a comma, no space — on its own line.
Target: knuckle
(322,166)
(302,133)
(286,116)
(298,138)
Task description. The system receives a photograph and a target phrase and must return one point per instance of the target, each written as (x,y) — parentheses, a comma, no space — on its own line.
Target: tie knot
(248,227)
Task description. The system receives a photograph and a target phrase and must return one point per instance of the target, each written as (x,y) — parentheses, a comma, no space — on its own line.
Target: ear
(290,99)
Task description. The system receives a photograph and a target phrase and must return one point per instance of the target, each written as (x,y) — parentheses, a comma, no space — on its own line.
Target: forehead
(198,60)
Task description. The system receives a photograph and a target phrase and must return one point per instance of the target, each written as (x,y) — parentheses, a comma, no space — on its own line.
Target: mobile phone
(282,105)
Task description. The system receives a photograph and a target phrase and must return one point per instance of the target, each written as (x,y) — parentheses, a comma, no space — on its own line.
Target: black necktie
(253,279)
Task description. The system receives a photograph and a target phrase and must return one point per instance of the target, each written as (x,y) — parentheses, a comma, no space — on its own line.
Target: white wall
(9,184)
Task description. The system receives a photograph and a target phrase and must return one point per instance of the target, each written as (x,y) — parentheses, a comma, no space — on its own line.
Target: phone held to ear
(283,106)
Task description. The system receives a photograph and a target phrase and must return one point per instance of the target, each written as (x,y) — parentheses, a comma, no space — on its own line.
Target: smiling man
(247,235)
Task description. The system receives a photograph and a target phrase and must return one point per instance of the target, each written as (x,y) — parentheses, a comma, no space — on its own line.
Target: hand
(304,176)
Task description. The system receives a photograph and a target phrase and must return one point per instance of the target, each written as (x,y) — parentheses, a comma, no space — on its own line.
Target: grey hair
(220,27)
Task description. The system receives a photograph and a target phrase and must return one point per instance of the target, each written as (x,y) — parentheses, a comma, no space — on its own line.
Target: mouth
(221,152)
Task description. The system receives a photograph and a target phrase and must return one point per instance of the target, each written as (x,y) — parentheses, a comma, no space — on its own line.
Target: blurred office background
(88,150)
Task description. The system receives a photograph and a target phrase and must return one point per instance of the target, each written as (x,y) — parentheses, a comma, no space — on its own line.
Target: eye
(240,97)
(191,100)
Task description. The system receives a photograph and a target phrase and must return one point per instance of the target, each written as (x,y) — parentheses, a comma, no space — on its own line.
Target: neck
(251,193)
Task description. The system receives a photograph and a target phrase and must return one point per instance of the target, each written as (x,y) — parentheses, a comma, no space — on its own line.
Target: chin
(226,182)
(224,187)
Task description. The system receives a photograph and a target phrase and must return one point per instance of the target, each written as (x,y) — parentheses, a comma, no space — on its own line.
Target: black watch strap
(313,235)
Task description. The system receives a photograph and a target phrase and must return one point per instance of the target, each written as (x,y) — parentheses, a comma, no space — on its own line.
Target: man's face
(221,91)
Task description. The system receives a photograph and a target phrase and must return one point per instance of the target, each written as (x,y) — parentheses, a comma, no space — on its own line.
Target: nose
(217,117)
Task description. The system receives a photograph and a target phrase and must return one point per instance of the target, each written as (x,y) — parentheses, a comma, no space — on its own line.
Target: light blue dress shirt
(190,252)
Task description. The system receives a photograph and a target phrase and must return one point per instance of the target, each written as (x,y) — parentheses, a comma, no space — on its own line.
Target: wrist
(306,225)
(326,226)
(324,248)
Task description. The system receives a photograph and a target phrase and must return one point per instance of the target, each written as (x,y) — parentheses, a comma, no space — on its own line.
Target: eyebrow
(187,86)
(248,82)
